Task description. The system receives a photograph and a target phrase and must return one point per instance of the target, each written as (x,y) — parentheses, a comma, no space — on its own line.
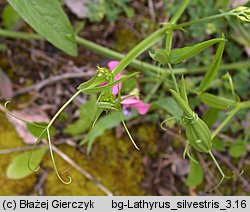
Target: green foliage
(85,120)
(238,149)
(98,9)
(91,90)
(180,54)
(49,20)
(106,122)
(195,175)
(210,116)
(219,145)
(54,25)
(10,139)
(169,105)
(19,169)
(214,67)
(217,102)
(128,85)
(10,17)
(37,128)
(241,79)
(160,56)
(203,8)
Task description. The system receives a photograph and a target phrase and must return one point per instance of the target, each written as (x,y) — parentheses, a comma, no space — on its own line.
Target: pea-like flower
(135,102)
(116,88)
(111,65)
(115,101)
(131,102)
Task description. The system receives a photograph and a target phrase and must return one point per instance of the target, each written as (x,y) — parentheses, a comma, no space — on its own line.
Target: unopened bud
(242,13)
(243,18)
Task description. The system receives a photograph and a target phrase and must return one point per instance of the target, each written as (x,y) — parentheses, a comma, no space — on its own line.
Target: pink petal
(117,77)
(117,87)
(112,64)
(102,84)
(142,108)
(134,102)
(130,102)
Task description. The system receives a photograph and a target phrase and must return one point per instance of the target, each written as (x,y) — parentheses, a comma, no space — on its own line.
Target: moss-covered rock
(113,162)
(10,139)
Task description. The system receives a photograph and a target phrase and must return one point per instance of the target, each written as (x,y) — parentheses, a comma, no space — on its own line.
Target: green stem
(20,35)
(216,163)
(115,55)
(140,48)
(62,108)
(198,70)
(243,105)
(54,162)
(169,39)
(179,12)
(219,168)
(239,106)
(129,135)
(225,122)
(173,78)
(210,18)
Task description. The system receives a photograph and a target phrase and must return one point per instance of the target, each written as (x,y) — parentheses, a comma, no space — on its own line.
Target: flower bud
(244,18)
(242,13)
(240,9)
(198,134)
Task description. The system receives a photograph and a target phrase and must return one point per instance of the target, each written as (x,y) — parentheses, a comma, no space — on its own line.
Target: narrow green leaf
(183,92)
(49,20)
(218,102)
(214,67)
(88,83)
(169,41)
(228,76)
(107,86)
(179,54)
(179,12)
(19,169)
(195,176)
(160,56)
(182,103)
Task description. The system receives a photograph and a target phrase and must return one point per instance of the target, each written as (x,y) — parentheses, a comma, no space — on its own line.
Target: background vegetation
(39,78)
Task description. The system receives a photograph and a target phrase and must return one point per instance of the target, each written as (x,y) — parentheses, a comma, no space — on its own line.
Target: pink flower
(116,88)
(134,102)
(111,65)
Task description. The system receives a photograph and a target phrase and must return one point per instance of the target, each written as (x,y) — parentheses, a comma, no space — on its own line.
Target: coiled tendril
(45,129)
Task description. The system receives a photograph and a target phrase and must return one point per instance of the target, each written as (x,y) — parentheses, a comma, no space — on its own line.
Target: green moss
(10,139)
(113,162)
(125,38)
